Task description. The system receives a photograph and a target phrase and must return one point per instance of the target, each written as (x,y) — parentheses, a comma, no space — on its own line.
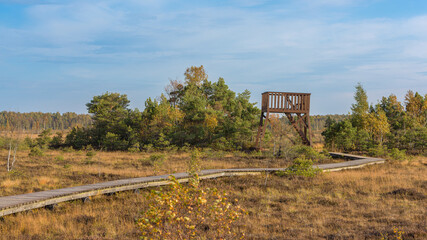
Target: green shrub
(91,154)
(193,163)
(68,149)
(14,173)
(256,154)
(148,148)
(171,149)
(22,145)
(88,148)
(397,154)
(221,144)
(88,161)
(189,212)
(36,152)
(300,167)
(240,154)
(308,153)
(57,141)
(162,142)
(145,162)
(112,142)
(378,151)
(78,138)
(157,160)
(44,139)
(134,148)
(185,148)
(29,142)
(59,158)
(157,157)
(211,153)
(3,143)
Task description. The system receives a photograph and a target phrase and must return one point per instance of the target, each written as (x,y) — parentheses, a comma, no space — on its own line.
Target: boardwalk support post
(296,106)
(51,206)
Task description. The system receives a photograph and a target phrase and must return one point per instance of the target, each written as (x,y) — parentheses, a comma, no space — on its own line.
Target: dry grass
(356,204)
(8,183)
(59,169)
(353,204)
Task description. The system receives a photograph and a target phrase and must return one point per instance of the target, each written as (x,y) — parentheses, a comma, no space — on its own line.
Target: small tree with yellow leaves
(190,212)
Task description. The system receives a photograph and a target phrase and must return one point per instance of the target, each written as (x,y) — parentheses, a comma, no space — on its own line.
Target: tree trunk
(8,156)
(14,157)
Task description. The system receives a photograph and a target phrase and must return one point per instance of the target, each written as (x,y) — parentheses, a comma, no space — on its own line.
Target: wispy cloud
(292,45)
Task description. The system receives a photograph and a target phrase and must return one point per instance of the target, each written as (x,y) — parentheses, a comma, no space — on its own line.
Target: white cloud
(249,46)
(86,28)
(71,23)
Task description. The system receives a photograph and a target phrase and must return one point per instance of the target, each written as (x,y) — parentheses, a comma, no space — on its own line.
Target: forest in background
(201,113)
(35,122)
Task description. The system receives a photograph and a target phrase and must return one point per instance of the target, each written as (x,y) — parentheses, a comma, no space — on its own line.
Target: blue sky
(55,55)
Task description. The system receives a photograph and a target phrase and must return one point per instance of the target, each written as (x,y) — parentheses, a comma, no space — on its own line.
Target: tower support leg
(261,129)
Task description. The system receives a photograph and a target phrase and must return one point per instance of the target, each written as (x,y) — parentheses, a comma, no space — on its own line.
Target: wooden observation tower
(296,106)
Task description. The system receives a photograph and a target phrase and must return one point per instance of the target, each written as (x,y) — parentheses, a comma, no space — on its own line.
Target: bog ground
(366,203)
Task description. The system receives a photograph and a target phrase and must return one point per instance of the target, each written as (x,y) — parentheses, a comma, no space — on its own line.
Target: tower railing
(283,102)
(288,103)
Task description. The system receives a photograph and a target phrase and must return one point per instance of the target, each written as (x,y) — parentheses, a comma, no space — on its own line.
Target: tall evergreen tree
(110,117)
(360,108)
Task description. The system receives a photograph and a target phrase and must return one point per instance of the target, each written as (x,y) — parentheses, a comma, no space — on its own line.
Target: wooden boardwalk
(28,201)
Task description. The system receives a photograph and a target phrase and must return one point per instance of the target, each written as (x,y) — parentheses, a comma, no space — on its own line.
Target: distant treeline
(318,122)
(36,121)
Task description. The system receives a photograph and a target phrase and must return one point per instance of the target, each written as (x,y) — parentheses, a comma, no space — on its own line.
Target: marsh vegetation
(364,203)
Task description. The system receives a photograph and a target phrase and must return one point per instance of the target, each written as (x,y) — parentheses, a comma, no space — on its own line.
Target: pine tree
(360,108)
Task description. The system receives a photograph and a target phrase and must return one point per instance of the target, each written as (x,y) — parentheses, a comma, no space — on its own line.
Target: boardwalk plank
(24,202)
